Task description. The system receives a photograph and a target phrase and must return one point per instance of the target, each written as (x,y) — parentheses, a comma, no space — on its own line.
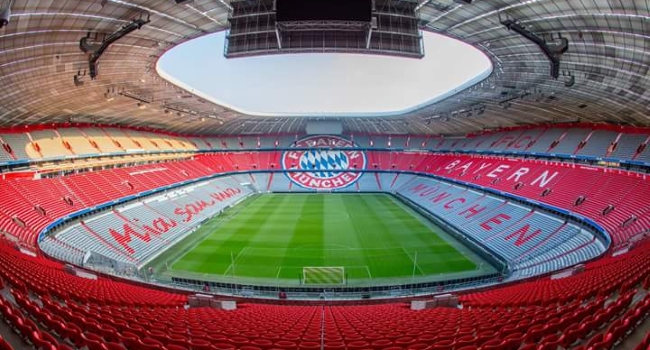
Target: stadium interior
(511,214)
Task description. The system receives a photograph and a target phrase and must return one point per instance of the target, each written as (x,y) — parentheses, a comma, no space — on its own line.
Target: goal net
(323,275)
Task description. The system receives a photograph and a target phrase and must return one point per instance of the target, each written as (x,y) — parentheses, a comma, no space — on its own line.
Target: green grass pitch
(276,235)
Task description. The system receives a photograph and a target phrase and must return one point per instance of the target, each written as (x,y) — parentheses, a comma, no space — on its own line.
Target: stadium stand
(627,146)
(102,141)
(608,285)
(570,140)
(548,182)
(18,143)
(531,241)
(135,232)
(49,144)
(598,143)
(109,158)
(597,307)
(78,142)
(539,239)
(279,183)
(575,188)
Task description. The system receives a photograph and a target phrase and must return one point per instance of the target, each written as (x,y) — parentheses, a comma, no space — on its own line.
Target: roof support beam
(95,50)
(553,51)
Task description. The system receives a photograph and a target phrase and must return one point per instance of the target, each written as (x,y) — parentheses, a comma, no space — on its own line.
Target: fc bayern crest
(326,164)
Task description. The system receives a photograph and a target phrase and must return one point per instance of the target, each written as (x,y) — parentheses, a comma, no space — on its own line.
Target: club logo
(324,165)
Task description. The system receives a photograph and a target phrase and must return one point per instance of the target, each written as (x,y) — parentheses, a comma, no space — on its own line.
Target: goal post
(323,275)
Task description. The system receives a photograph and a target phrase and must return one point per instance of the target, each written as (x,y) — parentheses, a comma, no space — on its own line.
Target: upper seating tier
(581,140)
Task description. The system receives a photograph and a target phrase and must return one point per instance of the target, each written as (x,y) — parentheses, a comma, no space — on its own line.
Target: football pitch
(274,236)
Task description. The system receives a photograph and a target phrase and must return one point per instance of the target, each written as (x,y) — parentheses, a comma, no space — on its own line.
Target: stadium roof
(326,84)
(608,57)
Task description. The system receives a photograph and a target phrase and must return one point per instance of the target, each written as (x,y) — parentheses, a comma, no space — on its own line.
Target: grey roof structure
(603,75)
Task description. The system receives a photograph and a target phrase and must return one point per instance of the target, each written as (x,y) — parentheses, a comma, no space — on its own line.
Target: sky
(324,84)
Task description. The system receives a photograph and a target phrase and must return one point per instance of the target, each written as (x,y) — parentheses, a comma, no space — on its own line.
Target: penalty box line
(277,275)
(417,266)
(235,260)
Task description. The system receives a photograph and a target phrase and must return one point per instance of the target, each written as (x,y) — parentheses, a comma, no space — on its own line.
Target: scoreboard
(325,10)
(262,27)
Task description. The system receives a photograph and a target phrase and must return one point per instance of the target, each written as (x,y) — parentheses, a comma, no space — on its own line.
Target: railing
(334,293)
(627,164)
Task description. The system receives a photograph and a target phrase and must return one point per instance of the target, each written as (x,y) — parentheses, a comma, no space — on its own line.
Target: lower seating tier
(595,308)
(134,233)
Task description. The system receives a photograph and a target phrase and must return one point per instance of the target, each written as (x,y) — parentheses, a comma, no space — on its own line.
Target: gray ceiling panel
(608,56)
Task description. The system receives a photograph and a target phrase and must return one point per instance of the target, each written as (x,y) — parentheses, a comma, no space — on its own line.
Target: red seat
(404,341)
(485,336)
(334,345)
(534,334)
(604,343)
(358,344)
(492,344)
(116,346)
(443,344)
(262,343)
(223,346)
(149,344)
(466,340)
(39,343)
(307,345)
(380,343)
(200,344)
(549,342)
(175,347)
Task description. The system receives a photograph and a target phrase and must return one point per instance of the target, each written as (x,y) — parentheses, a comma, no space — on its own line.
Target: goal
(323,275)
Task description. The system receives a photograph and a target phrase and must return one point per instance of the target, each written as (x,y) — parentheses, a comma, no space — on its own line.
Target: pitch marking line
(235,260)
(278,274)
(413,261)
(368,270)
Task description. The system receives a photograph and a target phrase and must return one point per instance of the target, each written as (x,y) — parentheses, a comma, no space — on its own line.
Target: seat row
(592,319)
(597,141)
(135,232)
(600,194)
(531,241)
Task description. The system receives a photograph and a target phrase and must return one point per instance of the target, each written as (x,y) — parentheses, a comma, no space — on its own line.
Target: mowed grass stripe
(267,249)
(275,235)
(342,235)
(391,233)
(375,229)
(431,253)
(234,239)
(306,242)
